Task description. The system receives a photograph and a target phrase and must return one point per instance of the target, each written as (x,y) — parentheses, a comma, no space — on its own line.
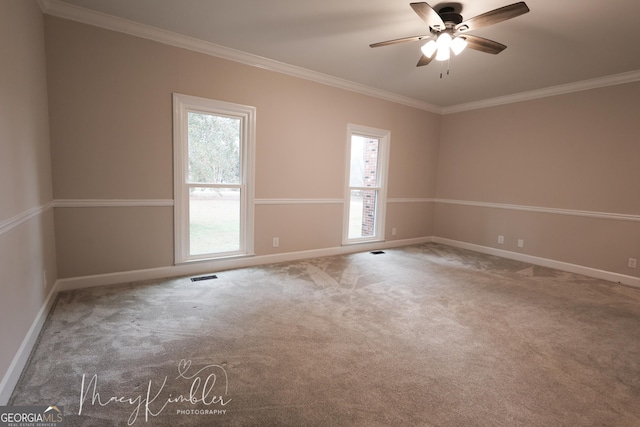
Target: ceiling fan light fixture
(429,48)
(444,44)
(446,23)
(444,41)
(443,54)
(458,44)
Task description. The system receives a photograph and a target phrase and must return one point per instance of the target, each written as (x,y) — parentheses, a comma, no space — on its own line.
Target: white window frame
(182,105)
(384,138)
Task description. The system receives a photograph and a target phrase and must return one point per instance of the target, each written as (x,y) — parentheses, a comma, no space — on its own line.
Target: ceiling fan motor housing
(450,17)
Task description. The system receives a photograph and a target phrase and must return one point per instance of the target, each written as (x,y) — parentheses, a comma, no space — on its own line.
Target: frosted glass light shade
(443,43)
(458,44)
(443,54)
(429,48)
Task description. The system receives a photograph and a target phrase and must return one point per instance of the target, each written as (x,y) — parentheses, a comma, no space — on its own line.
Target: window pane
(364,162)
(362,213)
(214,220)
(214,149)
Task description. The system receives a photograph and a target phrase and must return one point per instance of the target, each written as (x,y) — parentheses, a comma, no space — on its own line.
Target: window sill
(214,259)
(363,242)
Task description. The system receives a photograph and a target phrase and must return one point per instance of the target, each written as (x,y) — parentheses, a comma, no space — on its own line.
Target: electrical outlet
(501,239)
(276,242)
(633,263)
(520,243)
(393,231)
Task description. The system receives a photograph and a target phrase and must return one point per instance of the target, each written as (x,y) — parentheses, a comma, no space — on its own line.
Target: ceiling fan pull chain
(442,67)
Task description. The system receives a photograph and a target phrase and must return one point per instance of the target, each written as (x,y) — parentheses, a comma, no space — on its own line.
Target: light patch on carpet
(528,272)
(320,277)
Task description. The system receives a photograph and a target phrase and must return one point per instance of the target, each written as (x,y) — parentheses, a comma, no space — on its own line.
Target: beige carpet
(424,335)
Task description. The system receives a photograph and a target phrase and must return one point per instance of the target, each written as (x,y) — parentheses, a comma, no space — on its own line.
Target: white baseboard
(223,264)
(22,356)
(249,261)
(545,262)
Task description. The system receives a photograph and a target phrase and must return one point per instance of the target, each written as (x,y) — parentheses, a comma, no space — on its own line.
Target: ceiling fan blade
(483,45)
(428,15)
(424,60)
(402,40)
(493,17)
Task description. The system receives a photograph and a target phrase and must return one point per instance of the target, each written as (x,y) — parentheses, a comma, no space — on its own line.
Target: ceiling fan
(448,31)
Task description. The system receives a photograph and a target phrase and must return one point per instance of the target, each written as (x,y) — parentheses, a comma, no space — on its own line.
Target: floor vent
(198,279)
(377,252)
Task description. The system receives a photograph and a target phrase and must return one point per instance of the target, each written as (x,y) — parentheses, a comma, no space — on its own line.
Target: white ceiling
(558,42)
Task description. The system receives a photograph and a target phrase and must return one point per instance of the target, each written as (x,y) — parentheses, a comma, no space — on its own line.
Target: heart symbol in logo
(183,367)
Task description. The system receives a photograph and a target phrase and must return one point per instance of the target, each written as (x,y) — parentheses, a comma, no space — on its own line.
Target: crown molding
(110,22)
(75,13)
(615,79)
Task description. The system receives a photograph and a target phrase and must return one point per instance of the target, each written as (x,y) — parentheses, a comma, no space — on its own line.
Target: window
(365,196)
(213,176)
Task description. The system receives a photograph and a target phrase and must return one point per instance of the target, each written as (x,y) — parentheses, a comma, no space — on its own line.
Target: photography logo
(31,416)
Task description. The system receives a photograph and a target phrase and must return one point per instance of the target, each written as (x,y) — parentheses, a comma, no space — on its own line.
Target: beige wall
(111,133)
(26,243)
(577,152)
(110,102)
